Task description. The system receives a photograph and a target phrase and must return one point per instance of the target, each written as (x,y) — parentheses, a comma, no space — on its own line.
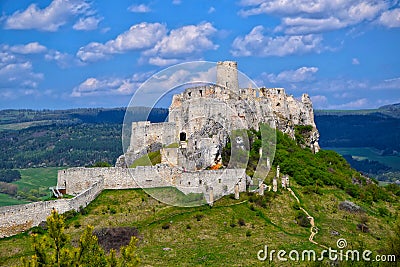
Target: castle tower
(227,75)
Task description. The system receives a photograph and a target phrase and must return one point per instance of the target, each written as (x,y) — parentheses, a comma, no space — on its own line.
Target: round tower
(227,75)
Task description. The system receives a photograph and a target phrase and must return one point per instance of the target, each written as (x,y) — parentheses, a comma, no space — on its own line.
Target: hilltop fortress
(200,123)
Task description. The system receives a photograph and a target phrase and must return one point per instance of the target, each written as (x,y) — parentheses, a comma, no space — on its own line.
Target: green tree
(129,256)
(89,251)
(55,226)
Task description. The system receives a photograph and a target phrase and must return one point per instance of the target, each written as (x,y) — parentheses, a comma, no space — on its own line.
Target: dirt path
(313,228)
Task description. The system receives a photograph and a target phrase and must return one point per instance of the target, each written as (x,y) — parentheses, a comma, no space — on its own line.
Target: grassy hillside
(33,186)
(232,231)
(228,234)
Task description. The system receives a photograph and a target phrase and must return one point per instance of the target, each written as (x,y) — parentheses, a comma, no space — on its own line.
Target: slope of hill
(232,232)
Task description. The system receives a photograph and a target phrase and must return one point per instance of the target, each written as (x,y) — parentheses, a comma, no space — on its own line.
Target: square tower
(227,75)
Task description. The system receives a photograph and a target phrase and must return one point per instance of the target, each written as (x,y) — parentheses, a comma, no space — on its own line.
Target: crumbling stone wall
(19,218)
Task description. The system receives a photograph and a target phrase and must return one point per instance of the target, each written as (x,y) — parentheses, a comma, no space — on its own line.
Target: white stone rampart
(161,175)
(19,218)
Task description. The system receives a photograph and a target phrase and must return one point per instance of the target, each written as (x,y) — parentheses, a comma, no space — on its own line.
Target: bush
(199,217)
(166,226)
(302,220)
(241,222)
(248,233)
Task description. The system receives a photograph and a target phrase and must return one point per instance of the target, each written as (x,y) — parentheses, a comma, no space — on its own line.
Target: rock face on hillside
(201,120)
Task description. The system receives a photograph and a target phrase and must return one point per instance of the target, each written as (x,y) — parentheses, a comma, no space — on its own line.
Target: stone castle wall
(160,175)
(19,218)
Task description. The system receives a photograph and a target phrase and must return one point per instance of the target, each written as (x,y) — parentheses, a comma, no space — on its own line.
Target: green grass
(368,153)
(6,200)
(149,159)
(173,196)
(39,179)
(209,239)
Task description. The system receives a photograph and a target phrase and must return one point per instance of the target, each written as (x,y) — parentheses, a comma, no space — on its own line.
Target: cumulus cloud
(87,24)
(142,8)
(158,45)
(256,43)
(304,17)
(109,86)
(292,76)
(139,36)
(185,41)
(50,18)
(15,70)
(30,48)
(390,18)
(63,60)
(19,75)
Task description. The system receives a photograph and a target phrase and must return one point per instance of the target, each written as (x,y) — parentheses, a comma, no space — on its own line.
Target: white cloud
(299,25)
(139,36)
(50,18)
(109,86)
(19,75)
(356,104)
(390,18)
(176,2)
(304,16)
(185,41)
(15,70)
(393,83)
(158,61)
(142,8)
(211,10)
(158,45)
(87,24)
(355,61)
(63,60)
(30,48)
(293,76)
(256,43)
(319,101)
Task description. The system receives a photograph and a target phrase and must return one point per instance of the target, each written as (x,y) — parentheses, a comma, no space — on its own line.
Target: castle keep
(200,123)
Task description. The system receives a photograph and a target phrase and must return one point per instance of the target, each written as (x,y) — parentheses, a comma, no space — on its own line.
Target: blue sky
(57,54)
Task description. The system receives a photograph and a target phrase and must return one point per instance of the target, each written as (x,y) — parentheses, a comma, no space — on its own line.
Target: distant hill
(75,137)
(12,119)
(353,132)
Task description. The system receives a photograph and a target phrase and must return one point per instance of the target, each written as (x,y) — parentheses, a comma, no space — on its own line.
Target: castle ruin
(200,123)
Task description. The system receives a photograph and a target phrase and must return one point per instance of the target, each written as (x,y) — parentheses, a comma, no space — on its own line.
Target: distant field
(23,125)
(38,178)
(35,178)
(6,200)
(368,153)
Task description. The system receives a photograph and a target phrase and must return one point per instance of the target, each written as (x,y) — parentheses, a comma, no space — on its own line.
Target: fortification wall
(19,218)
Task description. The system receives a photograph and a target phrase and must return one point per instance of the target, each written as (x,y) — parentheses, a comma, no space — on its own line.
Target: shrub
(166,226)
(199,217)
(77,224)
(241,222)
(248,233)
(302,219)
